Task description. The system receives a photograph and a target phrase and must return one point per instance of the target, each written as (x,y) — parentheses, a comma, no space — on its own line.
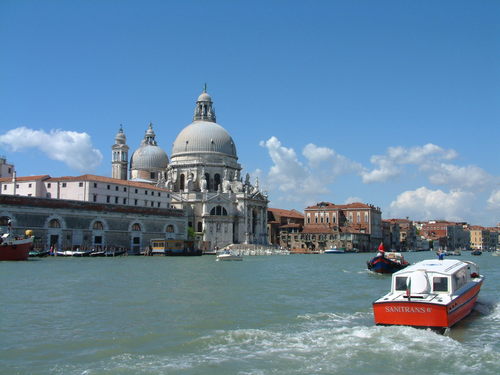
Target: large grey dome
(204,137)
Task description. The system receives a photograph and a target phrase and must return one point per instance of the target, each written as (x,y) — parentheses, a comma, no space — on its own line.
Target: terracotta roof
(399,220)
(476,227)
(291,226)
(26,178)
(332,206)
(286,213)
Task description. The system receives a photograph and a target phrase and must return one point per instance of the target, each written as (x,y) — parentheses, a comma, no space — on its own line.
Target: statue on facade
(189,184)
(169,183)
(203,182)
(226,185)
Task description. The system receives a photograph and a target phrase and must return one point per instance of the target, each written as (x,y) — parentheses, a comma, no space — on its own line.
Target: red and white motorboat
(16,247)
(430,294)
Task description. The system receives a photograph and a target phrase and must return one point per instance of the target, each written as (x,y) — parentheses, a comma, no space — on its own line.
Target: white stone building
(88,188)
(205,179)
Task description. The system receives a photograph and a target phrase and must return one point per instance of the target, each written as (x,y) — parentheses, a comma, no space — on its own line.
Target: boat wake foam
(317,343)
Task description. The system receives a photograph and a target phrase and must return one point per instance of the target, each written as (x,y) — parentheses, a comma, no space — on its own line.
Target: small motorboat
(455,253)
(476,252)
(335,250)
(38,253)
(432,294)
(386,262)
(228,255)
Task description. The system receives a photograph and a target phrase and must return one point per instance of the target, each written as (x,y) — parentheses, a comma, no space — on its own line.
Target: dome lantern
(204,110)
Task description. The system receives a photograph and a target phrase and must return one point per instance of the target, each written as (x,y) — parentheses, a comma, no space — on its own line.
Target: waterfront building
(353,226)
(446,234)
(408,234)
(70,224)
(480,238)
(284,227)
(391,235)
(88,188)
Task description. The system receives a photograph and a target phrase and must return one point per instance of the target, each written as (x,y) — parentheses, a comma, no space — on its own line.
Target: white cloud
(494,200)
(390,165)
(426,204)
(72,148)
(316,155)
(303,182)
(468,177)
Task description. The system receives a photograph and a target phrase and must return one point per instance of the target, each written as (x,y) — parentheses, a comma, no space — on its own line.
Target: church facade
(204,178)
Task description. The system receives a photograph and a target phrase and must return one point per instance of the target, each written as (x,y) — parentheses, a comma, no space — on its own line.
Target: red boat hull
(17,250)
(424,314)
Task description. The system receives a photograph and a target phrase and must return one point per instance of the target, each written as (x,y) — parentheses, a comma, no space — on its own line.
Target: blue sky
(392,103)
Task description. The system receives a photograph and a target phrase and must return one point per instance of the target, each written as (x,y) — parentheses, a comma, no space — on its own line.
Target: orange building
(353,226)
(283,226)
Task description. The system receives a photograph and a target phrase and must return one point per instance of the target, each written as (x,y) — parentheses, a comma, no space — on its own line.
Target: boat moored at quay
(434,294)
(14,247)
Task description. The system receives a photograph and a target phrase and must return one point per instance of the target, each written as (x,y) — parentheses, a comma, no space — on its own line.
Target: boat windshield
(401,283)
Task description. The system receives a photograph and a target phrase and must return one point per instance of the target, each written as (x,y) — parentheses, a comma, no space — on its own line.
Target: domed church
(204,177)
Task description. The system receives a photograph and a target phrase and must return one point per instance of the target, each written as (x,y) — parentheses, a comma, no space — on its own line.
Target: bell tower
(120,156)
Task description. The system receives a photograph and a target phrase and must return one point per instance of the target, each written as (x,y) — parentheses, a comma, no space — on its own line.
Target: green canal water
(297,314)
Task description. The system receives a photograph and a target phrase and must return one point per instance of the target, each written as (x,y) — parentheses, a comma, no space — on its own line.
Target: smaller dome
(149,157)
(204,97)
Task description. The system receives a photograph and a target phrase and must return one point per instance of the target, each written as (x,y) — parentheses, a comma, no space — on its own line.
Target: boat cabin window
(460,279)
(440,284)
(401,283)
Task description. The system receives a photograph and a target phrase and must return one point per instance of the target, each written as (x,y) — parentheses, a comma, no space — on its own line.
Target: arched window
(219,211)
(200,226)
(98,226)
(181,182)
(207,177)
(54,223)
(216,181)
(136,227)
(358,217)
(4,221)
(170,228)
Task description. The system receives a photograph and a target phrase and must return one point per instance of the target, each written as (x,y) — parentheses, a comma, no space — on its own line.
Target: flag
(408,288)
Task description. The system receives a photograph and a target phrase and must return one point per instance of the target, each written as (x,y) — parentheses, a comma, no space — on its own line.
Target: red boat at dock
(16,247)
